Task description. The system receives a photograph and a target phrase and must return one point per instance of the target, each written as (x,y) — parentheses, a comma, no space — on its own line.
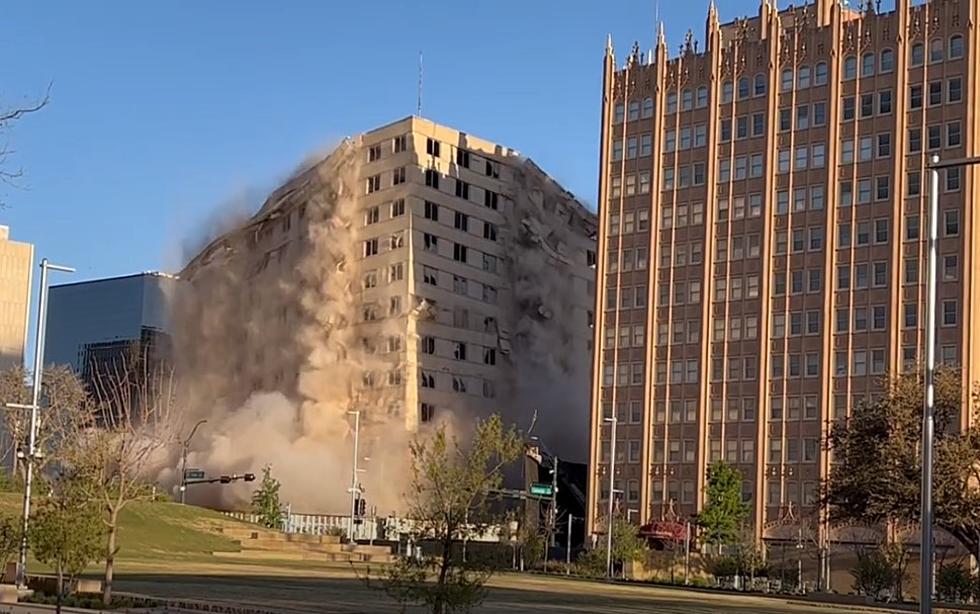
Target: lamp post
(929,404)
(31,453)
(612,494)
(183,461)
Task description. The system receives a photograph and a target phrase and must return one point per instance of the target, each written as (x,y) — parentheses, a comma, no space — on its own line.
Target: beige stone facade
(16,265)
(762,244)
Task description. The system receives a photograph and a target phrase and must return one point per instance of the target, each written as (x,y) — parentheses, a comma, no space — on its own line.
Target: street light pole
(612,493)
(928,414)
(42,316)
(183,461)
(929,404)
(354,489)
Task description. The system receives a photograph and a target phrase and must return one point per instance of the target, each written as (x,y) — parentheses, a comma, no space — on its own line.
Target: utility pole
(32,453)
(183,462)
(553,524)
(568,547)
(355,490)
(612,495)
(687,553)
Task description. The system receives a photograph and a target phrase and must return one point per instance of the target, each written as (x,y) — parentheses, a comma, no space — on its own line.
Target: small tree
(136,419)
(10,534)
(724,512)
(66,532)
(265,501)
(452,487)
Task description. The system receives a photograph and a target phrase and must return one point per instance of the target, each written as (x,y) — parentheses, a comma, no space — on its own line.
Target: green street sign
(542,490)
(193,474)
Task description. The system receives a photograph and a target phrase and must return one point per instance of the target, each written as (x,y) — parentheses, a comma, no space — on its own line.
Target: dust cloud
(268,307)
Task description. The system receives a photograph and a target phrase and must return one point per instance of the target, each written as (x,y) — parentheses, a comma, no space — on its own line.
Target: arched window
(887,61)
(726,91)
(647,111)
(671,102)
(760,84)
(935,50)
(955,47)
(687,100)
(634,111)
(702,100)
(618,114)
(850,67)
(820,74)
(786,80)
(743,88)
(868,61)
(918,54)
(803,77)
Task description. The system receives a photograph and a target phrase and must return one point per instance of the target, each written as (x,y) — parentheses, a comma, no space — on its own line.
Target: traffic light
(362,507)
(249,477)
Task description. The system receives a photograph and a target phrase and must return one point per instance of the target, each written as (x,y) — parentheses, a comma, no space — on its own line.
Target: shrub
(874,574)
(953,583)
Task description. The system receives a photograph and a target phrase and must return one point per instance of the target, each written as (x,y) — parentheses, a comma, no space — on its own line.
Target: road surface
(342,593)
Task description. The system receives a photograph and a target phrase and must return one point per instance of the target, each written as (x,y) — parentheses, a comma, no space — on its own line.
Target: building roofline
(116,278)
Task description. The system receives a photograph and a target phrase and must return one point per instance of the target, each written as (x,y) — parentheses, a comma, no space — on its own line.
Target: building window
(462,189)
(954,90)
(936,50)
(432,178)
(426,412)
(955,47)
(887,61)
(850,67)
(820,74)
(489,231)
(915,97)
(952,179)
(917,55)
(398,207)
(868,65)
(398,176)
(430,242)
(432,147)
(786,80)
(951,222)
(949,312)
(459,252)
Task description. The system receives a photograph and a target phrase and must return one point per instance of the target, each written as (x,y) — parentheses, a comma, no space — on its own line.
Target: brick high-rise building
(762,243)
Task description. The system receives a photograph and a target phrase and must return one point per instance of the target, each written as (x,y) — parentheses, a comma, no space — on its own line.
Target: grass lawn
(157,535)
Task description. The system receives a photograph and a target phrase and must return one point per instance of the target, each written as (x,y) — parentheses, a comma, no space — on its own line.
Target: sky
(163,115)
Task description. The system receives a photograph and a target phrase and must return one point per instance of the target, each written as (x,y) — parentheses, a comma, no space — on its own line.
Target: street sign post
(193,474)
(542,490)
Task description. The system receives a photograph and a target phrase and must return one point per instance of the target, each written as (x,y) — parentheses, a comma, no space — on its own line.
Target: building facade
(414,274)
(763,202)
(93,324)
(16,264)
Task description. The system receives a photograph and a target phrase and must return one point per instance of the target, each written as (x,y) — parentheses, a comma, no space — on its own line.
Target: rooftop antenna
(418,110)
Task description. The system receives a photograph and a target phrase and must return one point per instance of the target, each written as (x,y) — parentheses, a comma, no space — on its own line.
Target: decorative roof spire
(713,21)
(661,35)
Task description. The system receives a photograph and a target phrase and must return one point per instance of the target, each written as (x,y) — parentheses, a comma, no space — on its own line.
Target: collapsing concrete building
(415,274)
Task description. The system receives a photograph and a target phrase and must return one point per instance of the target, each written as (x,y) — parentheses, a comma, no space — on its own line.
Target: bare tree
(66,407)
(136,420)
(7,117)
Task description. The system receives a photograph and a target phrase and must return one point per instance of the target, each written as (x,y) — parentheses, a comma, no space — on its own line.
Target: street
(341,593)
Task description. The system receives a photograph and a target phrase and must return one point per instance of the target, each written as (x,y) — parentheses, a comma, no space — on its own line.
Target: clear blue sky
(161,112)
